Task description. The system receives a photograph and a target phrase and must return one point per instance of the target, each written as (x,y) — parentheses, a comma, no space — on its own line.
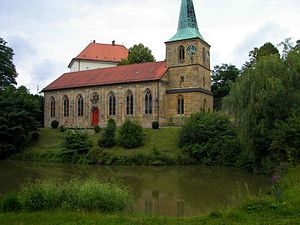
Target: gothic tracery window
(80,106)
(148,102)
(52,107)
(112,104)
(66,106)
(129,103)
(180,105)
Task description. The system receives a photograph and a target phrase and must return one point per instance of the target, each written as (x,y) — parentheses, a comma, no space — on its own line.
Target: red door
(95,117)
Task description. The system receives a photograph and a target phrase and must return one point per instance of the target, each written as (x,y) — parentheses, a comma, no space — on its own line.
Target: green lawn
(162,142)
(283,209)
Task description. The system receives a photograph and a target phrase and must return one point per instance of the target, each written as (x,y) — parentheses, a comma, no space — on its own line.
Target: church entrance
(95,117)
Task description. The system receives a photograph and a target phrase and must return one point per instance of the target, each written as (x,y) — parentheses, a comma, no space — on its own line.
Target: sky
(46,34)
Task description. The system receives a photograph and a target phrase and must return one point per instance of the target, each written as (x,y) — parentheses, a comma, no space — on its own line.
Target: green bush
(155,125)
(209,138)
(41,194)
(54,124)
(62,128)
(112,124)
(88,194)
(131,134)
(108,138)
(35,136)
(10,202)
(94,195)
(285,143)
(97,129)
(77,140)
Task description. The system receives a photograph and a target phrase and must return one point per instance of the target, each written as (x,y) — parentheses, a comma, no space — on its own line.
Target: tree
(8,72)
(286,46)
(19,111)
(138,54)
(210,139)
(131,134)
(261,96)
(222,78)
(258,53)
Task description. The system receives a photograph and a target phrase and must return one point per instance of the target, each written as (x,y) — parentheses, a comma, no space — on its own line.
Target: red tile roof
(114,75)
(103,52)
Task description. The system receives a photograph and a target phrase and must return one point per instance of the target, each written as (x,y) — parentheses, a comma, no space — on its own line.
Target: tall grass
(89,194)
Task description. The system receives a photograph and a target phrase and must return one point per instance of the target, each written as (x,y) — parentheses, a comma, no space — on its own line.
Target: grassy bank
(282,207)
(160,148)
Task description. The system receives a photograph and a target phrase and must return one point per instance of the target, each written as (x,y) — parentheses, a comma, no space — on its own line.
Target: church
(96,89)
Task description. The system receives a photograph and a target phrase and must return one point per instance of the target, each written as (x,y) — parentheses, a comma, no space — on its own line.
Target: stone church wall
(158,90)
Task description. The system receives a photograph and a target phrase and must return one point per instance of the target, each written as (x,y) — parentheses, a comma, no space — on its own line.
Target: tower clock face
(191,50)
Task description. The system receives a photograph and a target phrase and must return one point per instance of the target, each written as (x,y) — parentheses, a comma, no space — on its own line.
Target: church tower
(188,62)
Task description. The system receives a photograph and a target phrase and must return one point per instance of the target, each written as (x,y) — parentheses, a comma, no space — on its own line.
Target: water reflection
(170,191)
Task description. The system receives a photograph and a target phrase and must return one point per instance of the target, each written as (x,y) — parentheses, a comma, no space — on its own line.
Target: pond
(168,191)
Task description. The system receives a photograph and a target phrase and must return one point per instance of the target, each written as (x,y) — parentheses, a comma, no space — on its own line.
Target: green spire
(187,25)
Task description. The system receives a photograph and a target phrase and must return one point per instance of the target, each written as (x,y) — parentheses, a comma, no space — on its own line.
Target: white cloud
(46,35)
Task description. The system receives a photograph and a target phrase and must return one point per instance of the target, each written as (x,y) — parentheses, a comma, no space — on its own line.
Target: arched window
(180,104)
(66,106)
(148,102)
(52,107)
(112,104)
(129,103)
(80,105)
(181,52)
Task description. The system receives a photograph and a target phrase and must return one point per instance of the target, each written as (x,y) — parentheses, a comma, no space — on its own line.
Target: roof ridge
(109,68)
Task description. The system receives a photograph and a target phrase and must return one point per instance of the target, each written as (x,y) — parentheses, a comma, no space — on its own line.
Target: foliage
(18,118)
(89,194)
(10,203)
(222,77)
(77,140)
(256,54)
(61,128)
(270,93)
(210,139)
(35,136)
(97,129)
(112,124)
(286,46)
(285,143)
(54,124)
(155,125)
(41,194)
(8,72)
(131,134)
(138,54)
(108,138)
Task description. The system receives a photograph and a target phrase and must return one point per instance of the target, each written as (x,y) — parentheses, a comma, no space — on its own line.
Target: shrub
(35,136)
(155,125)
(112,124)
(54,124)
(10,202)
(97,129)
(285,143)
(92,194)
(62,128)
(77,140)
(88,194)
(41,194)
(210,139)
(131,134)
(108,138)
